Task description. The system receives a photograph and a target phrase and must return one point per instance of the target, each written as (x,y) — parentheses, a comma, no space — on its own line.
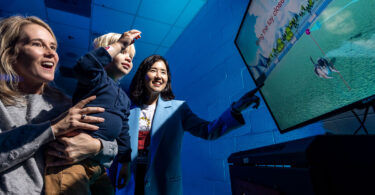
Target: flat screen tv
(316,58)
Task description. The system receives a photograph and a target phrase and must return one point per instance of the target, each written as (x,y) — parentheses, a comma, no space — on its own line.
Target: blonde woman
(32,113)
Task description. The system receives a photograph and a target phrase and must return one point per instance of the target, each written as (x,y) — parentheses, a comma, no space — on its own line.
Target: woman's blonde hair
(10,33)
(110,38)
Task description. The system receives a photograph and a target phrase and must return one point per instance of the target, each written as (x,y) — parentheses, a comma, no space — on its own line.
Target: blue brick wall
(208,72)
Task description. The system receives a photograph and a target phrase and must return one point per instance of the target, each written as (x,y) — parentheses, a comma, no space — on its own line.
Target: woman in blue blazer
(157,125)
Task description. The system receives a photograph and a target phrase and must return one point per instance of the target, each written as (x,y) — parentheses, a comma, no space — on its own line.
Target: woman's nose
(157,75)
(50,53)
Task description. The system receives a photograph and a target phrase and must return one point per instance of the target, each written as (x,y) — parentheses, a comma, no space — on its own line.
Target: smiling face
(123,62)
(156,78)
(37,58)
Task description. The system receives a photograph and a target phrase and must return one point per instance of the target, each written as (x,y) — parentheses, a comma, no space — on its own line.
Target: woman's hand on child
(76,118)
(71,150)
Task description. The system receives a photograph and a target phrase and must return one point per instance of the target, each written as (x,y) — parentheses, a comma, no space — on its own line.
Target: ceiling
(77,22)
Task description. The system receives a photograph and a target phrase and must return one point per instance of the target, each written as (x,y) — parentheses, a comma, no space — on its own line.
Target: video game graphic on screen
(313,56)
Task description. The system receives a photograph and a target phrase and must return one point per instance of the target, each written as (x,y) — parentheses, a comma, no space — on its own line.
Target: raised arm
(126,39)
(210,130)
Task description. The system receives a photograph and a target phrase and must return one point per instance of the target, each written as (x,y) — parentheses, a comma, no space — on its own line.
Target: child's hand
(128,38)
(124,176)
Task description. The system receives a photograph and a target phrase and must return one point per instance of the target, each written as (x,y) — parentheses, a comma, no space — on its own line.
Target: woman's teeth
(47,64)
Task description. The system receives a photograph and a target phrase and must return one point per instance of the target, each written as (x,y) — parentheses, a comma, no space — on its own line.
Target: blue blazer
(171,120)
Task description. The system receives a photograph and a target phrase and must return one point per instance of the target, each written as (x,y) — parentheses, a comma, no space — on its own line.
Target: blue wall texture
(209,73)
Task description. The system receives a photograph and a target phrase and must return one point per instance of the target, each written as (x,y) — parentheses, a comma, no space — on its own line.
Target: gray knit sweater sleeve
(24,129)
(21,143)
(107,154)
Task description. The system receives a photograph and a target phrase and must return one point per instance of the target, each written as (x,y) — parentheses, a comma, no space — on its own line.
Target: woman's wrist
(98,147)
(234,110)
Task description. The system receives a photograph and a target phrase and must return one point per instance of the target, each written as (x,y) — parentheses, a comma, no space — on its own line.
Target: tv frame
(365,102)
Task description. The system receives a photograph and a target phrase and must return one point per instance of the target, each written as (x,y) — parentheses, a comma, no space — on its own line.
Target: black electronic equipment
(324,164)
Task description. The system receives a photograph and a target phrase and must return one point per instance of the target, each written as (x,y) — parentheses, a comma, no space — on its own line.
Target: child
(98,73)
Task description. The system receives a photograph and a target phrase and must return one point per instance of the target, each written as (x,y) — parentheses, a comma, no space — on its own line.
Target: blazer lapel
(134,130)
(162,113)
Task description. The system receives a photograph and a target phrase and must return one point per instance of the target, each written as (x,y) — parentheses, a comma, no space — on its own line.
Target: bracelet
(109,48)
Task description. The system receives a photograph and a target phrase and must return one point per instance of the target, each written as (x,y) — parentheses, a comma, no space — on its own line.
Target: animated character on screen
(323,68)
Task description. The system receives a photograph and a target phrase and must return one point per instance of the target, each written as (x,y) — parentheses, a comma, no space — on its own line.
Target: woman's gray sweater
(24,129)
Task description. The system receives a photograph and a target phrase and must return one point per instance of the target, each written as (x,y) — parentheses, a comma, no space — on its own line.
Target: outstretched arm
(228,121)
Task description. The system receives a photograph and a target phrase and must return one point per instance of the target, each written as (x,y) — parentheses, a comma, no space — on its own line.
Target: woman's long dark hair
(138,90)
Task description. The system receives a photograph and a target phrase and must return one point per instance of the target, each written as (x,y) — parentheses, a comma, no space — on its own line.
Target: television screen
(315,57)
